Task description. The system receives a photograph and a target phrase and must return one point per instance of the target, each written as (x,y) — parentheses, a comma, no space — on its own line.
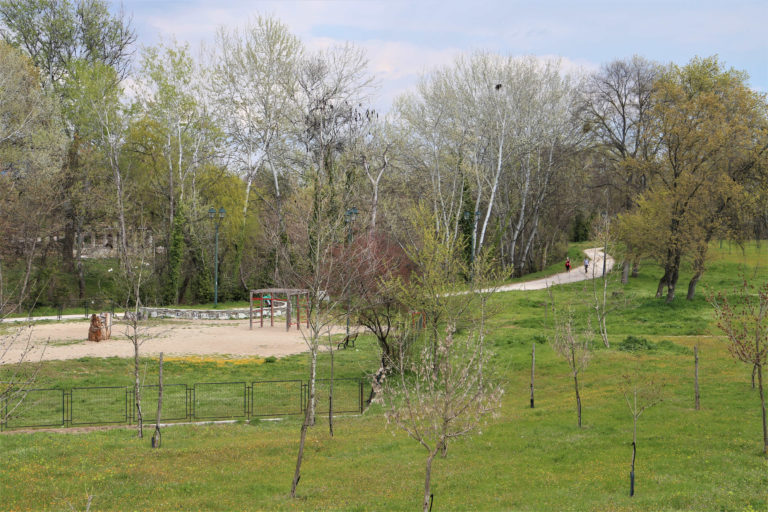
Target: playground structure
(271,299)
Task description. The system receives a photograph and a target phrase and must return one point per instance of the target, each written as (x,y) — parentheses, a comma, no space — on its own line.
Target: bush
(669,346)
(635,344)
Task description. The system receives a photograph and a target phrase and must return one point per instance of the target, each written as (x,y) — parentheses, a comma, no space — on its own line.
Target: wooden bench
(348,341)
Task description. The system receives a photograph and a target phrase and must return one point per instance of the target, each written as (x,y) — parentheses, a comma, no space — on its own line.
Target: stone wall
(201,314)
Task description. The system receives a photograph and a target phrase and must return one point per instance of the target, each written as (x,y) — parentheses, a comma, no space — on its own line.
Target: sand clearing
(199,337)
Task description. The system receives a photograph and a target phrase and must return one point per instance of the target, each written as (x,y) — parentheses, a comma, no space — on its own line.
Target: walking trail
(576,273)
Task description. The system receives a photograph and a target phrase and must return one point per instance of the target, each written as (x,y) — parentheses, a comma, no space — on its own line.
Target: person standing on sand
(586,265)
(567,264)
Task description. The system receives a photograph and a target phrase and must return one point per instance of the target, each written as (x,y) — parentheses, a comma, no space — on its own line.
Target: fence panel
(211,400)
(38,408)
(98,405)
(174,402)
(346,395)
(276,398)
(220,400)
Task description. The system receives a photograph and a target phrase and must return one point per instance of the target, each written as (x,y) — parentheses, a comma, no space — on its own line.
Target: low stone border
(199,314)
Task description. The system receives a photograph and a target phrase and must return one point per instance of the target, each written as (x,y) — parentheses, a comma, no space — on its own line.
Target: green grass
(525,459)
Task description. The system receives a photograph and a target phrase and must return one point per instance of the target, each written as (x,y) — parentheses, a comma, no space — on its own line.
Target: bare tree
(440,395)
(253,84)
(440,387)
(602,278)
(20,358)
(743,318)
(330,86)
(323,272)
(575,348)
(641,392)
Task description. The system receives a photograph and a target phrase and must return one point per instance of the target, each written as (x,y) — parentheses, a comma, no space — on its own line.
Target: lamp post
(216,222)
(349,218)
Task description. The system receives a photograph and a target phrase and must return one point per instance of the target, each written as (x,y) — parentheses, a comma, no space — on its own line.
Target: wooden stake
(533,367)
(696,376)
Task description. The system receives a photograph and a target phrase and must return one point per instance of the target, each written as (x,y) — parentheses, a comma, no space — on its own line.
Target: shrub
(635,344)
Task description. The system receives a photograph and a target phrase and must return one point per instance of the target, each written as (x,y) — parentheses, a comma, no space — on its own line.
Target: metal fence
(203,401)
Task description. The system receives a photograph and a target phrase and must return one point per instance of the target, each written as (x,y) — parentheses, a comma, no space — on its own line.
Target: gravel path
(577,273)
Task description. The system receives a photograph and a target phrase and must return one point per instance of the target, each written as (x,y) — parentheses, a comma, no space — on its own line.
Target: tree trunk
(692,285)
(79,259)
(578,397)
(303,438)
(625,272)
(635,269)
(137,390)
(330,392)
(696,377)
(309,419)
(427,480)
(662,284)
(762,405)
(156,436)
(673,277)
(632,470)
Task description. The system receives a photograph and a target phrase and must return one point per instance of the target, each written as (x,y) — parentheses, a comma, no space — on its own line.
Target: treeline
(513,157)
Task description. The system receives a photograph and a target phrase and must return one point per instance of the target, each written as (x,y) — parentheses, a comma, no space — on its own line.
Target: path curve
(577,273)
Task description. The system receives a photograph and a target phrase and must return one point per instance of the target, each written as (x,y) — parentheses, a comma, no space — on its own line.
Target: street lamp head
(351,213)
(466,215)
(222,212)
(211,212)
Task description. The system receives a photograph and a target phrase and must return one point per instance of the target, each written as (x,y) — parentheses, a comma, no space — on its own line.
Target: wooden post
(288,312)
(298,312)
(696,376)
(533,367)
(271,310)
(261,308)
(250,314)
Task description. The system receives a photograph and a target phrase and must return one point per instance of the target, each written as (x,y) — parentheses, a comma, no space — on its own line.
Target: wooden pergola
(276,295)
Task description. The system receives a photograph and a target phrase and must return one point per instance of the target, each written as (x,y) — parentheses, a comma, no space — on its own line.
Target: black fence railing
(204,401)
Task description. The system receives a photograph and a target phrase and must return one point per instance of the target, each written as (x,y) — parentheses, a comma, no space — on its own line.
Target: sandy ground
(67,340)
(202,337)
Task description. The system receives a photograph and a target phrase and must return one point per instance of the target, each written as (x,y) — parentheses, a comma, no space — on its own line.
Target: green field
(525,459)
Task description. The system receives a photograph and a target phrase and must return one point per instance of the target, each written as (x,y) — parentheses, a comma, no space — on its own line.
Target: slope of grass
(525,459)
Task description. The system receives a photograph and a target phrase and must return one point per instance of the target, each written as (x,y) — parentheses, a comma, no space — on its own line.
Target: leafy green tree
(712,131)
(31,152)
(57,34)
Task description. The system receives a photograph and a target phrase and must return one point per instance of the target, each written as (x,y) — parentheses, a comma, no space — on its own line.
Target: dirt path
(577,273)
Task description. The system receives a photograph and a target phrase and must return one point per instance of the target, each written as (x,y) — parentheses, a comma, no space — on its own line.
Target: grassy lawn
(525,459)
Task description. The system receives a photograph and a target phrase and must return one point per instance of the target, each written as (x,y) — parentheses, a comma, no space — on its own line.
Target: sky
(407,39)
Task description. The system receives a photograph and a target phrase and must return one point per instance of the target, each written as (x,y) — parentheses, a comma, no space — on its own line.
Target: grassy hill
(525,459)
